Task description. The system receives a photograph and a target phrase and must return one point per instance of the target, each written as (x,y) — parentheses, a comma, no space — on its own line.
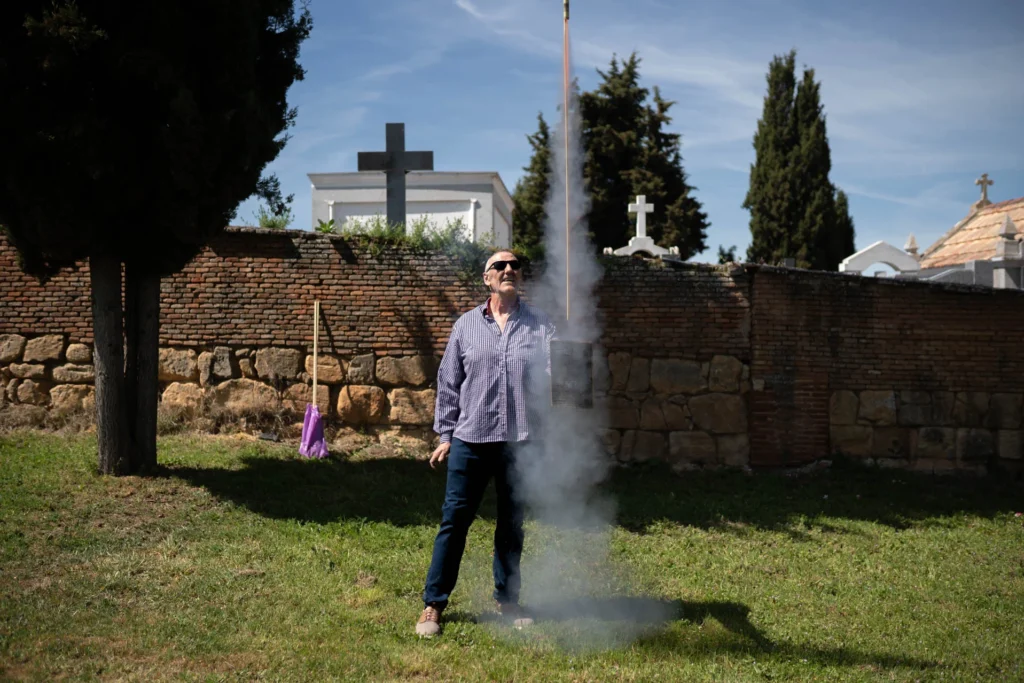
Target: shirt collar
(487,307)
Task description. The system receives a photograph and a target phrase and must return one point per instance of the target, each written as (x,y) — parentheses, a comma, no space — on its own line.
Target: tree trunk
(112,437)
(142,321)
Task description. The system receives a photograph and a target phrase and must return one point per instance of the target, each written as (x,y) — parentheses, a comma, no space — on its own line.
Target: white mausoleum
(986,248)
(481,200)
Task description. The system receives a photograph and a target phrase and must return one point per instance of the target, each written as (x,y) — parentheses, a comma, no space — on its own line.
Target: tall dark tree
(791,199)
(613,120)
(677,219)
(770,198)
(627,151)
(125,144)
(531,192)
(846,233)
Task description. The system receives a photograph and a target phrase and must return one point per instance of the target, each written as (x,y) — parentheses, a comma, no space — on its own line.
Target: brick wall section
(256,288)
(29,308)
(804,334)
(815,333)
(695,312)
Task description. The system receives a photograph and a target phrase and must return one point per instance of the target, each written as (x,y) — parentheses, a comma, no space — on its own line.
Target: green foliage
(792,202)
(326,227)
(613,118)
(107,113)
(677,219)
(627,151)
(265,218)
(422,234)
(846,233)
(269,190)
(531,192)
(726,255)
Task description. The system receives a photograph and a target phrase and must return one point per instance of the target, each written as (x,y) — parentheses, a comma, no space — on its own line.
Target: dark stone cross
(395,162)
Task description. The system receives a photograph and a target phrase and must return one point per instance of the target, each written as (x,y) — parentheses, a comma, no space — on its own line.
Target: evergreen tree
(770,197)
(107,114)
(613,118)
(793,203)
(677,219)
(627,152)
(530,193)
(726,255)
(846,235)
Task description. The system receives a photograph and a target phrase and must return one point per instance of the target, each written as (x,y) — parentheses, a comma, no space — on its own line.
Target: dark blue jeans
(470,467)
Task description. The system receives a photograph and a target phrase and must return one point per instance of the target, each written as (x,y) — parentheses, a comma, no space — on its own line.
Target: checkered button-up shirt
(487,376)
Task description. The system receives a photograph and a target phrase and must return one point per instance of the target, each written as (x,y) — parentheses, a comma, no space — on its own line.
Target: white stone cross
(641,209)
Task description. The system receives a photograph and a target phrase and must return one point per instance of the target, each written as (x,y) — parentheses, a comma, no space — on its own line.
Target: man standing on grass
(494,355)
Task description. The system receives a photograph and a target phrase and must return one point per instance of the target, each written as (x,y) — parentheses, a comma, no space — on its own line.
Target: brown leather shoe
(428,625)
(513,611)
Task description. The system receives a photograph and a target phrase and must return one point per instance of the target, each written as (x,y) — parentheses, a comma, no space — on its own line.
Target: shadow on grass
(645,622)
(402,491)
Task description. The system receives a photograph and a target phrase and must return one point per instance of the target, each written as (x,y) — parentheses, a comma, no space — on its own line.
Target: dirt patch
(365,580)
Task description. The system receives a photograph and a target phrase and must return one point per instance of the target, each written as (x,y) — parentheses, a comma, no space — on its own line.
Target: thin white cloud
(913,109)
(470,8)
(422,59)
(936,197)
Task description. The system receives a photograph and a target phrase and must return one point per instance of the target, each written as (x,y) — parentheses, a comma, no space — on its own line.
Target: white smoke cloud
(571,578)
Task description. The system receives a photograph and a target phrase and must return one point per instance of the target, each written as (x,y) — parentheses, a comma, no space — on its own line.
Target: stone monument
(395,161)
(641,243)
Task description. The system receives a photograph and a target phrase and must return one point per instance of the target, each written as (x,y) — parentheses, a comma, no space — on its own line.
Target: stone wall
(932,431)
(700,365)
(691,413)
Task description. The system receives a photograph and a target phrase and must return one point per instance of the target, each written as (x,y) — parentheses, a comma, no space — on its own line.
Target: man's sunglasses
(500,265)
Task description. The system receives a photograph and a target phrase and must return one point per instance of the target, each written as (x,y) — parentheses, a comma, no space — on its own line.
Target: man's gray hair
(491,257)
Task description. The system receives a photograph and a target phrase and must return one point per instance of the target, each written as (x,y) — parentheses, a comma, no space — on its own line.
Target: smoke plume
(567,574)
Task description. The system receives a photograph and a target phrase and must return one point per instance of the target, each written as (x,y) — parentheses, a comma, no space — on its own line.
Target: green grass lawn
(243,561)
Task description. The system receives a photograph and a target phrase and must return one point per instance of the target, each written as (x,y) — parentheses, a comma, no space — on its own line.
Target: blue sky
(921,97)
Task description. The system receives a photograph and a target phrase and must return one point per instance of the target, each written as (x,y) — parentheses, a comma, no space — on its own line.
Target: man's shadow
(638,611)
(645,621)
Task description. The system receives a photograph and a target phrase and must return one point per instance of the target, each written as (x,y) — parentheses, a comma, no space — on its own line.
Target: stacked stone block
(688,412)
(45,373)
(928,430)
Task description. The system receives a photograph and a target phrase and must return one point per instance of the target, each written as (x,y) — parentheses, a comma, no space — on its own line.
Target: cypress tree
(845,233)
(792,202)
(109,111)
(530,193)
(770,197)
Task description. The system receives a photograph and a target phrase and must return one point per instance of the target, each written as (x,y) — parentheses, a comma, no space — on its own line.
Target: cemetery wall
(698,365)
(902,373)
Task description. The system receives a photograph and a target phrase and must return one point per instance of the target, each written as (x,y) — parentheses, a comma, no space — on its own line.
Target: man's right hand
(439,454)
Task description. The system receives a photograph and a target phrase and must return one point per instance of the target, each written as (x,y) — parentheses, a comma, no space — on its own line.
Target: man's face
(505,280)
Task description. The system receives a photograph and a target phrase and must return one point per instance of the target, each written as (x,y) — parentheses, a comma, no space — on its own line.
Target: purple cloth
(313,444)
(487,379)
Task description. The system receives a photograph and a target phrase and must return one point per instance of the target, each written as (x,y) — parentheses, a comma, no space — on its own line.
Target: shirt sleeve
(450,375)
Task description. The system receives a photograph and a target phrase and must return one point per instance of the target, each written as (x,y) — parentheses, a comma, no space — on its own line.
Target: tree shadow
(406,491)
(744,503)
(236,245)
(402,492)
(344,249)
